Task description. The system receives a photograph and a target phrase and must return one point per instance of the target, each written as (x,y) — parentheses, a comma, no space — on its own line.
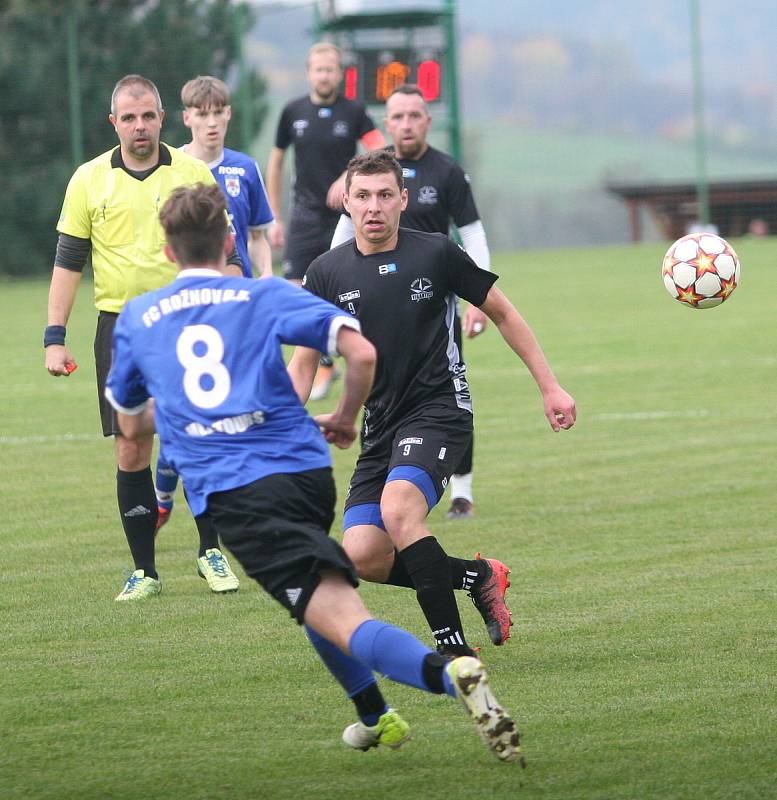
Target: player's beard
(143,151)
(326,95)
(410,150)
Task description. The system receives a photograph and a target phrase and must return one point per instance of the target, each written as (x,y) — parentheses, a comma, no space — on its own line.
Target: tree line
(168,41)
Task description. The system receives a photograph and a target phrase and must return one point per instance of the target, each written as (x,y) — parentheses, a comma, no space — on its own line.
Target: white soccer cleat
(494,724)
(214,567)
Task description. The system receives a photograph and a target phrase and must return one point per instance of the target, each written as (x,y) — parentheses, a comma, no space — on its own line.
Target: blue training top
(242,184)
(208,349)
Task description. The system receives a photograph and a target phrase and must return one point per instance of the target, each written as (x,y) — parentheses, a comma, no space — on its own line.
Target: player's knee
(400,520)
(133,455)
(372,564)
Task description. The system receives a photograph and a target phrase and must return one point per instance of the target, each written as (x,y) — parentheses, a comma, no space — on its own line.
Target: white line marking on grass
(62,437)
(639,416)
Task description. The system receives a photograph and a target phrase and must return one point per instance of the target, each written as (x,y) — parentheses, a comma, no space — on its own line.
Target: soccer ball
(700,270)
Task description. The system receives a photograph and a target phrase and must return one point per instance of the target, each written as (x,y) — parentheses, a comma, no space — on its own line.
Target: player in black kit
(401,285)
(325,128)
(438,192)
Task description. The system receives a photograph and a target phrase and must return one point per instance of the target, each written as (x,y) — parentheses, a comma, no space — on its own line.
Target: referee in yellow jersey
(111,210)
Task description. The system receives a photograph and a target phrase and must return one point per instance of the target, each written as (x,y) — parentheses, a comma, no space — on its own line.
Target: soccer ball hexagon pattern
(700,270)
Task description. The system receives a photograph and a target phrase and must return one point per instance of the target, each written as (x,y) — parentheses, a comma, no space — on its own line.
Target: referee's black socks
(138,509)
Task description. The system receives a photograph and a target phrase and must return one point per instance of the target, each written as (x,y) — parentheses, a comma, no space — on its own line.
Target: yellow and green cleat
(390,731)
(139,587)
(214,567)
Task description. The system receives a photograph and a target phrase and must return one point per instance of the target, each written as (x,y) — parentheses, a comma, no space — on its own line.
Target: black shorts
(103,354)
(310,234)
(433,438)
(278,529)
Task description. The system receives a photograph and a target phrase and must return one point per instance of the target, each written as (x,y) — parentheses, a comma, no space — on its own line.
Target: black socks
(138,510)
(209,539)
(428,566)
(464,573)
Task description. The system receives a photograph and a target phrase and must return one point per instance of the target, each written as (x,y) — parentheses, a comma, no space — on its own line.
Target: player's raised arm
(559,406)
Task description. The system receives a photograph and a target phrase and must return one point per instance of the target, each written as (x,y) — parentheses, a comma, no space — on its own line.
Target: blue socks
(166,483)
(396,654)
(358,681)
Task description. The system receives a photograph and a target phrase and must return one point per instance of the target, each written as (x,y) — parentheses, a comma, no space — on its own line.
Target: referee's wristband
(54,334)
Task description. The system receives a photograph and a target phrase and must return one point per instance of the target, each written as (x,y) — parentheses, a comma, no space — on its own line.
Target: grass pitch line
(57,439)
(638,416)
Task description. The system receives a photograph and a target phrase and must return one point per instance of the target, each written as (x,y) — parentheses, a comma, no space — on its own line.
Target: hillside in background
(559,97)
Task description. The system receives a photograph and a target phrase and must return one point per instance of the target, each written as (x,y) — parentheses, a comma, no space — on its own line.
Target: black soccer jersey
(324,139)
(404,300)
(438,190)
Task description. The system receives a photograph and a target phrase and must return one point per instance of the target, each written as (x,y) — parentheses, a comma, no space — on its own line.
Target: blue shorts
(424,450)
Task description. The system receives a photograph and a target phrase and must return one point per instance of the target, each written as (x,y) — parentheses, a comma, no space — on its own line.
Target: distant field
(642,543)
(539,161)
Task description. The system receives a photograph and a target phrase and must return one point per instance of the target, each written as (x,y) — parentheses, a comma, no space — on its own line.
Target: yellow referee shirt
(120,215)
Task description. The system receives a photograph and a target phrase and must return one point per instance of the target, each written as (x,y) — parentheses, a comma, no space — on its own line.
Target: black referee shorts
(310,234)
(103,353)
(433,438)
(278,529)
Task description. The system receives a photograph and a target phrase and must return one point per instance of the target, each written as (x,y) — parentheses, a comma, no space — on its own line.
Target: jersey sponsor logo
(387,269)
(354,295)
(411,440)
(421,289)
(340,129)
(229,425)
(441,454)
(239,171)
(324,113)
(408,172)
(299,126)
(427,195)
(232,185)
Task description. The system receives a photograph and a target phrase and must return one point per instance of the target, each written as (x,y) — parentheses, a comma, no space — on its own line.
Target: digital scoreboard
(383,49)
(372,75)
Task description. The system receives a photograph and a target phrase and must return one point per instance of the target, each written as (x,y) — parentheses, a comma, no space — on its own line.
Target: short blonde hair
(205,91)
(325,47)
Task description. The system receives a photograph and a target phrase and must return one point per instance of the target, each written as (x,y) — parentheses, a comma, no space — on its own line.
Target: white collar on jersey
(200,272)
(211,164)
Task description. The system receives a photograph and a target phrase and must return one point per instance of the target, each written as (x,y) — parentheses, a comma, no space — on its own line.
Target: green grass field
(643,662)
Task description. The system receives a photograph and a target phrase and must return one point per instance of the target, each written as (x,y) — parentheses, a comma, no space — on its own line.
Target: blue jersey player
(207,113)
(200,361)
